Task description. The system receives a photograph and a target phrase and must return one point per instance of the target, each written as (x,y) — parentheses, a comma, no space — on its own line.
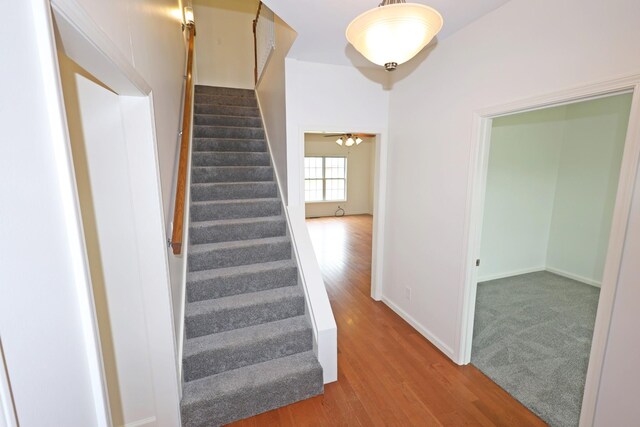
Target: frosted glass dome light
(394,32)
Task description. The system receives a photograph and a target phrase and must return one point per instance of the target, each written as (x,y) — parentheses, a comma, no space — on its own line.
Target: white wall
(142,40)
(101,164)
(224,42)
(551,186)
(587,184)
(493,61)
(617,399)
(69,70)
(520,192)
(329,98)
(359,175)
(47,316)
(272,97)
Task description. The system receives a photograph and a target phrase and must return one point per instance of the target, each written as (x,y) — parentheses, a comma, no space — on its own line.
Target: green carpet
(532,336)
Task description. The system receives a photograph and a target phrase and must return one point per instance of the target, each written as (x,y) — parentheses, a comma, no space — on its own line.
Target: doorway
(339,192)
(555,231)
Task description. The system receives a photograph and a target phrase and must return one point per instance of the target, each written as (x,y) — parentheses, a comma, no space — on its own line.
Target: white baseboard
(418,327)
(510,273)
(574,277)
(141,423)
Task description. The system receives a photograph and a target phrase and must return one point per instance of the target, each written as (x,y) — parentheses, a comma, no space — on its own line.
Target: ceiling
(321,25)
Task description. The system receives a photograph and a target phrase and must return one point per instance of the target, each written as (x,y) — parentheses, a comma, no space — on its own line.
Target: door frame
(379,194)
(92,49)
(478,166)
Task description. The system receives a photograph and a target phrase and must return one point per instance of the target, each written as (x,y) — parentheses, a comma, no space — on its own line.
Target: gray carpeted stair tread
(200,131)
(223,230)
(215,353)
(242,310)
(229,144)
(221,90)
(196,249)
(233,395)
(233,190)
(248,344)
(209,210)
(211,174)
(244,101)
(232,110)
(237,221)
(221,282)
(226,120)
(230,254)
(231,158)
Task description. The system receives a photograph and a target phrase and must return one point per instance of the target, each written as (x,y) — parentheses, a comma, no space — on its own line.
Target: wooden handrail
(178,211)
(255,43)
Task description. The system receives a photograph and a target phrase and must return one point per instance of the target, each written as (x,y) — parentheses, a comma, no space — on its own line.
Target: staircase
(248,346)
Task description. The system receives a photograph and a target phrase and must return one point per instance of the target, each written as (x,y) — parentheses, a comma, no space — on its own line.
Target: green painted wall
(551,187)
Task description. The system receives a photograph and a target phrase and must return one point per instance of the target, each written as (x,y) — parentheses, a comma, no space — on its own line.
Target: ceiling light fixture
(394,32)
(349,139)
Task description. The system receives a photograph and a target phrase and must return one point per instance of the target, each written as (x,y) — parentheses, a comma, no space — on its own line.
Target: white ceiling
(321,24)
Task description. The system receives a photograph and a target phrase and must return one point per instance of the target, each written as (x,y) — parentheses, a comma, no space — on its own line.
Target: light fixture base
(390,66)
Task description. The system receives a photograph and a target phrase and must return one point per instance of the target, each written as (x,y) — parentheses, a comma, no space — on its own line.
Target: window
(325,179)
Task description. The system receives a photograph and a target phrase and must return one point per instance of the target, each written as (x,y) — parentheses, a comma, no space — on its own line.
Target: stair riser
(214,144)
(231,174)
(219,360)
(231,257)
(235,121)
(245,403)
(226,320)
(233,232)
(226,110)
(227,132)
(224,191)
(224,91)
(243,101)
(242,283)
(214,212)
(230,159)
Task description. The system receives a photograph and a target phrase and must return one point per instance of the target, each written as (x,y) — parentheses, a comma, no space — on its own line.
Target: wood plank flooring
(389,375)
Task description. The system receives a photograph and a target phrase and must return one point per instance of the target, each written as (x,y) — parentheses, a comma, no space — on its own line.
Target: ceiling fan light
(339,141)
(358,140)
(349,142)
(392,34)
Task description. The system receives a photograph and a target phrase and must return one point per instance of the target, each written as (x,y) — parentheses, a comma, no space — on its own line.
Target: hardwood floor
(389,375)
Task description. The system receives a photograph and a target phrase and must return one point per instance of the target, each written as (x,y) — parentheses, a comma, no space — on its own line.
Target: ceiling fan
(348,139)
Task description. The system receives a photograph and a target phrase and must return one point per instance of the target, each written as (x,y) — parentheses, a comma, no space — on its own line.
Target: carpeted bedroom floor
(532,336)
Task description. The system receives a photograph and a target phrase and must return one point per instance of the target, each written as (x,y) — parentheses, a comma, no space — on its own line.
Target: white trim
(91,48)
(511,273)
(7,406)
(185,246)
(88,45)
(448,351)
(379,193)
(575,277)
(320,314)
(557,271)
(628,171)
(141,423)
(54,100)
(473,218)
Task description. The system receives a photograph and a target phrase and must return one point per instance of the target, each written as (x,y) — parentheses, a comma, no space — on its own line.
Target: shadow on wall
(377,74)
(69,71)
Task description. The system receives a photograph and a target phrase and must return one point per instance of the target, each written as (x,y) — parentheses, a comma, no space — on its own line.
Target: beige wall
(551,186)
(359,175)
(272,99)
(493,61)
(224,42)
(68,72)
